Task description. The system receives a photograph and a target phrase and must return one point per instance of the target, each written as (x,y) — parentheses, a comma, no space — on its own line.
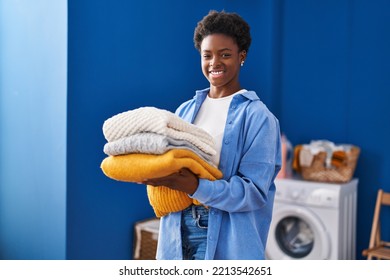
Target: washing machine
(313,221)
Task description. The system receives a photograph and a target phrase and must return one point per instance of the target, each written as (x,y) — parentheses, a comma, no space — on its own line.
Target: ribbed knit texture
(151,119)
(150,143)
(137,167)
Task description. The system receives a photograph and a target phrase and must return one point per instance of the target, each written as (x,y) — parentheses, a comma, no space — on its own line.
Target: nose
(214,61)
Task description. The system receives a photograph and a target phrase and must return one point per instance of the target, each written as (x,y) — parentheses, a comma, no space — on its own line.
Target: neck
(218,92)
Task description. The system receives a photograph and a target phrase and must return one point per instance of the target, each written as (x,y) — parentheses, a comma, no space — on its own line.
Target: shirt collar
(251,95)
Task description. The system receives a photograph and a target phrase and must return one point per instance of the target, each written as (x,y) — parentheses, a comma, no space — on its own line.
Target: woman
(234,218)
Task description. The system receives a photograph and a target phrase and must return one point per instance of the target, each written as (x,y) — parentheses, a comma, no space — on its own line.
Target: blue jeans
(194,222)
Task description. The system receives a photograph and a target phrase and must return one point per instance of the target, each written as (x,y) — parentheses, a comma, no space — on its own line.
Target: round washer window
(294,237)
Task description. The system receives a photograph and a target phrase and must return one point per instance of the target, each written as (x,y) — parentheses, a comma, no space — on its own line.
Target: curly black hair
(230,24)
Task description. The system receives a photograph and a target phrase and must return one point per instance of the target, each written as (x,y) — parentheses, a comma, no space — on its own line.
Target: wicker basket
(341,174)
(145,239)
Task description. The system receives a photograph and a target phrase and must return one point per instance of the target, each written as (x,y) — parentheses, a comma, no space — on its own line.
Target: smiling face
(221,61)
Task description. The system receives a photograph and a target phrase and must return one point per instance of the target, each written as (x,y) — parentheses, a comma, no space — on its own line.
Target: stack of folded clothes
(148,143)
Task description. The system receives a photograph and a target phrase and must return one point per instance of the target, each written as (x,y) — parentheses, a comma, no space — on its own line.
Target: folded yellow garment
(138,167)
(165,200)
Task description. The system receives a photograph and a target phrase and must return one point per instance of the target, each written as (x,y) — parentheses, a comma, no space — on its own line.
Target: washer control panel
(307,193)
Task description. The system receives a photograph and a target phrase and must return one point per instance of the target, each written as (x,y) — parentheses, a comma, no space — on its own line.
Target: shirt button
(226,142)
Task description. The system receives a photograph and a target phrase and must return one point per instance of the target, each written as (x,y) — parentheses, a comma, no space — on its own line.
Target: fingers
(183,180)
(162,181)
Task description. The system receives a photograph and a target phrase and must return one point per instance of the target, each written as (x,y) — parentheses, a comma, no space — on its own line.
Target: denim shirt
(241,202)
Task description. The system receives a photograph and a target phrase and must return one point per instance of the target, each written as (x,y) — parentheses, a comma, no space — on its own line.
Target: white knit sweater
(151,119)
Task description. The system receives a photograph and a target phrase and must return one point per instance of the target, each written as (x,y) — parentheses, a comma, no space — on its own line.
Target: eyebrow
(221,50)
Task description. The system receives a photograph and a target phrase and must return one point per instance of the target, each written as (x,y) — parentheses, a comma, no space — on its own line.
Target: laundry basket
(320,171)
(145,240)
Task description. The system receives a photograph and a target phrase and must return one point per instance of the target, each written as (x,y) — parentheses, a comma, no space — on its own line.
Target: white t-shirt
(212,118)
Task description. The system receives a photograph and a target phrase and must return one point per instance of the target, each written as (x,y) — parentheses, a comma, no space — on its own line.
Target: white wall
(33,93)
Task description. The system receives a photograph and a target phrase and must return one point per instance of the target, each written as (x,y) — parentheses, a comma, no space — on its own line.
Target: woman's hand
(183,180)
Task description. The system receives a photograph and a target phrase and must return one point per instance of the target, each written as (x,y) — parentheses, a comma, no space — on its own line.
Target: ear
(243,55)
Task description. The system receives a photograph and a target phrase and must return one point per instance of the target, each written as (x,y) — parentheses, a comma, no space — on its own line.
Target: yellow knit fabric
(138,167)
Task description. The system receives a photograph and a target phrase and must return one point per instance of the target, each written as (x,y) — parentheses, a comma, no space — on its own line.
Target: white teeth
(216,72)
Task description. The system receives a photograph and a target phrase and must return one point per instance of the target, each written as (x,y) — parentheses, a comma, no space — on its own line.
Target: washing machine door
(297,232)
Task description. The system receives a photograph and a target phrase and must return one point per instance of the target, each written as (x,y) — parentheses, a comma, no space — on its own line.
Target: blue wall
(335,84)
(123,55)
(33,64)
(321,66)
